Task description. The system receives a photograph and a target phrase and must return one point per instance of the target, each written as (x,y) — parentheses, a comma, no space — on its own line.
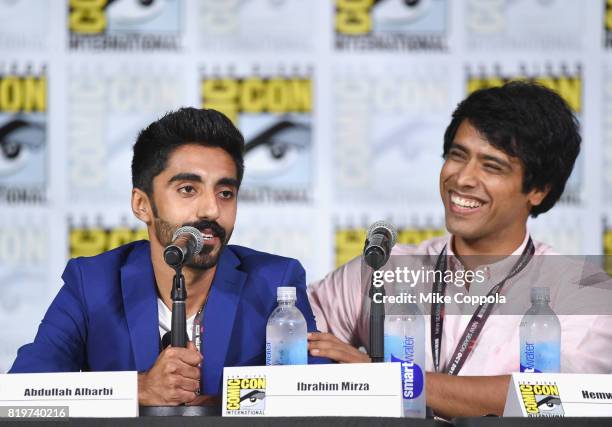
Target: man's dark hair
(528,121)
(157,141)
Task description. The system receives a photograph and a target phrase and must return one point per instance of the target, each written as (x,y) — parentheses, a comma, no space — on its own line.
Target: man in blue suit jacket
(186,170)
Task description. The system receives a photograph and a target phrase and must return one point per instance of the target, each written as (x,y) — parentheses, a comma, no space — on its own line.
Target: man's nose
(208,207)
(467,176)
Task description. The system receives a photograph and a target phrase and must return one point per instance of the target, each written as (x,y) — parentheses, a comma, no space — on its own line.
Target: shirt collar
(494,272)
(517,251)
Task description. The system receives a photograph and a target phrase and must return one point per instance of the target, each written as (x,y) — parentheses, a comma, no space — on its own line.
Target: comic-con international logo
(124,25)
(541,400)
(566,80)
(246,396)
(23,151)
(406,25)
(274,113)
(91,240)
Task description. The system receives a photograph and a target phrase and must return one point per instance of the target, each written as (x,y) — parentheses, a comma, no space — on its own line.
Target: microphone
(186,243)
(381,238)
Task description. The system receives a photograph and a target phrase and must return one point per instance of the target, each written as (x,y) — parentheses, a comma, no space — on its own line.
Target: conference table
(307,421)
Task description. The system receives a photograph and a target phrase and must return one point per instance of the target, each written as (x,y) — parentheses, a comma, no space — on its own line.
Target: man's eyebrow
(497,160)
(488,157)
(459,147)
(232,182)
(185,176)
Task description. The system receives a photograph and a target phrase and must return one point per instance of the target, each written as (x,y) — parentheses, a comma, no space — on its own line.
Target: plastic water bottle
(286,331)
(540,335)
(405,343)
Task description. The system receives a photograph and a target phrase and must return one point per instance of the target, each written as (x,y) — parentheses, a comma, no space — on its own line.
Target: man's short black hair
(528,121)
(157,141)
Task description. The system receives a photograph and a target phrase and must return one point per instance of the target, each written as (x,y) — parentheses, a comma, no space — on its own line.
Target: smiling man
(508,153)
(114,308)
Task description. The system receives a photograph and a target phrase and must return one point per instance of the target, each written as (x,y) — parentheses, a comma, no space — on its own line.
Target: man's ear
(141,206)
(537,195)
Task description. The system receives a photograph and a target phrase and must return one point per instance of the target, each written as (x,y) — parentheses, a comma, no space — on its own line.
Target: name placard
(85,394)
(559,395)
(354,389)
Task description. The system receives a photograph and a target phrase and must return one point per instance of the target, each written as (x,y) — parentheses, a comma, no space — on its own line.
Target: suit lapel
(140,304)
(219,317)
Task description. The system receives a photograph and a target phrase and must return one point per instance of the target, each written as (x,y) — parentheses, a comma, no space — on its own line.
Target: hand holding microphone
(174,379)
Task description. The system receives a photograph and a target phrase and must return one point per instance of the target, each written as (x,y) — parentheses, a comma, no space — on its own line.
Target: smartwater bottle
(405,343)
(540,335)
(286,331)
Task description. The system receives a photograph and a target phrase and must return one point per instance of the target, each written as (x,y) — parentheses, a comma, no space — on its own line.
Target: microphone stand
(377,324)
(178,338)
(178,331)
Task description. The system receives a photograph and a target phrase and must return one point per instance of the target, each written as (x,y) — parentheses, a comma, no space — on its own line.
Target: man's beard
(206,259)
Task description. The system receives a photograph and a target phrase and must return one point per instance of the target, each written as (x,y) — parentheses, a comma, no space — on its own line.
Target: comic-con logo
(391,25)
(274,113)
(246,396)
(541,400)
(124,24)
(23,153)
(92,240)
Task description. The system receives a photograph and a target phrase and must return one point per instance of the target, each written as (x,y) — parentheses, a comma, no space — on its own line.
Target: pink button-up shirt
(341,307)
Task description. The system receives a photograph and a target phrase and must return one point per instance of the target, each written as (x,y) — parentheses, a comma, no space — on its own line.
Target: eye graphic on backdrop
(410,139)
(275,150)
(393,12)
(18,140)
(126,12)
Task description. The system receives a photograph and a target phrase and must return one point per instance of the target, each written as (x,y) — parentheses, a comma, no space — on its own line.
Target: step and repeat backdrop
(343,105)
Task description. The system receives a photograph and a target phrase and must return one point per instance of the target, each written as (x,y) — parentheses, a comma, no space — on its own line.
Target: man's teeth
(207,236)
(465,203)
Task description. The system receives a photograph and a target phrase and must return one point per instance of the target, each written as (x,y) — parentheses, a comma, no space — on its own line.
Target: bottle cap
(285,293)
(540,294)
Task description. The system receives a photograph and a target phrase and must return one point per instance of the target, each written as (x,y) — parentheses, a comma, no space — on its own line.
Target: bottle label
(401,349)
(290,353)
(540,357)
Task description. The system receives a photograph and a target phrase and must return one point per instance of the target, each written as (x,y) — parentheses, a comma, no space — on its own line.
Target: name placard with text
(83,394)
(354,389)
(559,395)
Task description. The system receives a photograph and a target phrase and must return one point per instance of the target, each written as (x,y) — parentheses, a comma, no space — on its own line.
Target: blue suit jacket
(105,316)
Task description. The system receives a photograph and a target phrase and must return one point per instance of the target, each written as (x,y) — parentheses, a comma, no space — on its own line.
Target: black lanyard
(480,316)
